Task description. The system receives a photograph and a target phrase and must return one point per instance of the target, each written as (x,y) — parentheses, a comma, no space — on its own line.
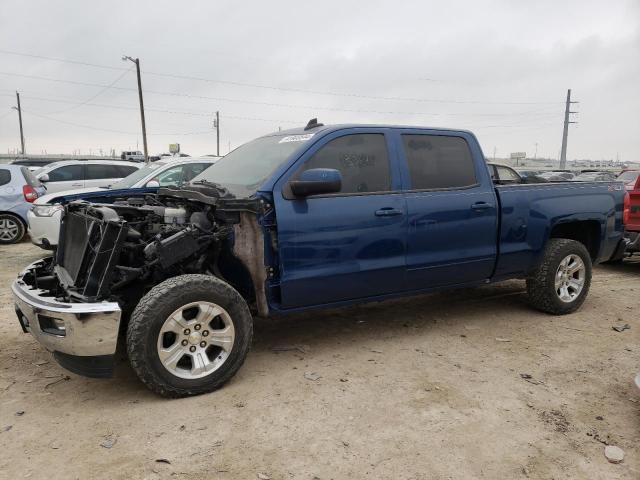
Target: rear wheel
(561,282)
(189,335)
(11,229)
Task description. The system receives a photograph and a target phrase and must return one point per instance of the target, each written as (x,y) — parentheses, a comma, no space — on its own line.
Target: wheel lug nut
(184,343)
(197,327)
(203,344)
(192,348)
(187,331)
(205,333)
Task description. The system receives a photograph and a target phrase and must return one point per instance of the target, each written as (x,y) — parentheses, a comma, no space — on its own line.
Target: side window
(67,173)
(507,175)
(191,170)
(5,176)
(170,177)
(361,158)
(124,170)
(438,161)
(99,171)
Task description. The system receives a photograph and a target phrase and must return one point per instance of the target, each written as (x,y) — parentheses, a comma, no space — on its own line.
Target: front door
(451,204)
(347,245)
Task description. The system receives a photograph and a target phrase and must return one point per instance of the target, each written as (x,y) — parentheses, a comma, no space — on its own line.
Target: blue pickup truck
(314,217)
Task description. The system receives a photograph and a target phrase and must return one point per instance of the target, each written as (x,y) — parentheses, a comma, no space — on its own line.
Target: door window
(5,176)
(507,175)
(68,173)
(438,161)
(124,170)
(170,177)
(191,170)
(101,171)
(362,160)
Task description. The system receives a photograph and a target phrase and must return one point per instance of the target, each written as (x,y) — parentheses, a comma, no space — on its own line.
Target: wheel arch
(587,232)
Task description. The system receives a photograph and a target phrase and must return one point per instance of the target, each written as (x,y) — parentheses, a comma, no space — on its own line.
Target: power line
(282,89)
(86,102)
(235,100)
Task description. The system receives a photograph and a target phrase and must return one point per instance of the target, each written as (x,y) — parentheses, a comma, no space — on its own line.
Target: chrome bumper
(77,329)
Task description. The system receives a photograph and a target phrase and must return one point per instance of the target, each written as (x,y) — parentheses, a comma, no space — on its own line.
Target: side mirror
(153,184)
(44,178)
(316,181)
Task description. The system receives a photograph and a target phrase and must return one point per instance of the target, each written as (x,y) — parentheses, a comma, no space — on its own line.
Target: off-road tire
(156,306)
(541,282)
(21,228)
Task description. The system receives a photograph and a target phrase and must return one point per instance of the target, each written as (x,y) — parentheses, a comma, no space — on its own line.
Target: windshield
(138,175)
(244,169)
(628,176)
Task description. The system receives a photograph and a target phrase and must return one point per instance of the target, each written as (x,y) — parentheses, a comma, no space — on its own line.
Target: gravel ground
(429,387)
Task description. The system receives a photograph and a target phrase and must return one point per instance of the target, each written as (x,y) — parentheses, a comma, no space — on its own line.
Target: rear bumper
(633,239)
(82,336)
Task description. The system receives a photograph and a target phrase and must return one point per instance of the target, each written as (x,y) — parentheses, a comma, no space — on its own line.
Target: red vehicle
(632,209)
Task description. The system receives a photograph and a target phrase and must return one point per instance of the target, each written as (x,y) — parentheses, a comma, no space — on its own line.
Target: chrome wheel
(195,340)
(570,278)
(9,229)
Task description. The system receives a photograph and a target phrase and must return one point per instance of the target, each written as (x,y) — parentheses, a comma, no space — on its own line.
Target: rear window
(29,177)
(438,161)
(5,176)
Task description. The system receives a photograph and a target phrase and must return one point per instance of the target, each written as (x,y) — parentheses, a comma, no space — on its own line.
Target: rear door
(451,207)
(66,177)
(346,245)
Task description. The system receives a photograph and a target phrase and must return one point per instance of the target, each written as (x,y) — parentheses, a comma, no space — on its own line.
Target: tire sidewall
(192,288)
(21,229)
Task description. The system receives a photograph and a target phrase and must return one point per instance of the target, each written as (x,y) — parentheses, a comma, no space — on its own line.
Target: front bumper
(82,336)
(44,231)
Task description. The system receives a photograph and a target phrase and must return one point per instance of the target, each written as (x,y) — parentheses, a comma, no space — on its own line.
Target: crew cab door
(346,245)
(452,211)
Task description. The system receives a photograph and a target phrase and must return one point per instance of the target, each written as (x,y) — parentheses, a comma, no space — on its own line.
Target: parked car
(556,175)
(314,217)
(44,217)
(18,188)
(528,173)
(629,178)
(632,213)
(132,156)
(595,177)
(73,174)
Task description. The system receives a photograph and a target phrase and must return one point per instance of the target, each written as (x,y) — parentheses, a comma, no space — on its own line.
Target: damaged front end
(110,255)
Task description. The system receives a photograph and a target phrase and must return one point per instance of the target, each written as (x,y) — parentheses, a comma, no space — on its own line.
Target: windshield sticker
(296,138)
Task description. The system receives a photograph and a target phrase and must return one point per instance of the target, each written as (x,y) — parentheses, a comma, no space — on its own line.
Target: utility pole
(216,124)
(144,127)
(565,131)
(19,109)
(535,155)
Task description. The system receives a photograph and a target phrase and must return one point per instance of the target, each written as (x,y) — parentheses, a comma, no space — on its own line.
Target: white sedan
(44,216)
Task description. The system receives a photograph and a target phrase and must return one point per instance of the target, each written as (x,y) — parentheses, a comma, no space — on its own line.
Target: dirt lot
(419,388)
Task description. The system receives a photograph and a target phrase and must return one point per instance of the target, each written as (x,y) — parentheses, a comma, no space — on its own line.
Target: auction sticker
(296,138)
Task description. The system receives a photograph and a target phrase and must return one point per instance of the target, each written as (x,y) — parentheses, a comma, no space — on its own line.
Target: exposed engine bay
(118,251)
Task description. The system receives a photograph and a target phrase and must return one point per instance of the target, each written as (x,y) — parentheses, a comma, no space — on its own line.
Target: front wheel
(561,282)
(189,335)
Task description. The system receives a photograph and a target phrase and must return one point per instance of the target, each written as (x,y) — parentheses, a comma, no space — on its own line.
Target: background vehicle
(504,175)
(307,218)
(132,156)
(44,217)
(32,163)
(528,173)
(629,178)
(632,212)
(556,176)
(595,177)
(18,188)
(73,174)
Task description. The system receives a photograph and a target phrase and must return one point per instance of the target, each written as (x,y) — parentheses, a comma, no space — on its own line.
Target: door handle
(76,185)
(479,206)
(388,212)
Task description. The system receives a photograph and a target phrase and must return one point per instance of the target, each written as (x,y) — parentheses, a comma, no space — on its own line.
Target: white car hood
(45,199)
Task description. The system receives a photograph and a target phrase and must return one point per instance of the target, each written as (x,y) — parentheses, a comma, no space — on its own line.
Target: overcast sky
(498,68)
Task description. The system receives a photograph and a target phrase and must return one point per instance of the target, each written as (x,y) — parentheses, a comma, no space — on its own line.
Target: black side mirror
(316,181)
